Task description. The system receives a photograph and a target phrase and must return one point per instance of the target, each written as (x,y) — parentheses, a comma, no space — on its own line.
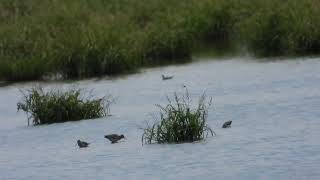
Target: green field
(85,38)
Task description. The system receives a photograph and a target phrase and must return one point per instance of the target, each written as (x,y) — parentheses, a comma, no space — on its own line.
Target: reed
(81,38)
(179,122)
(57,106)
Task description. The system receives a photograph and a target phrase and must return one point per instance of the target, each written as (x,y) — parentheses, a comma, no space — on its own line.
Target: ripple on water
(274,107)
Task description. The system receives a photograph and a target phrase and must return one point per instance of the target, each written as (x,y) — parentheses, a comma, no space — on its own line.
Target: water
(274,107)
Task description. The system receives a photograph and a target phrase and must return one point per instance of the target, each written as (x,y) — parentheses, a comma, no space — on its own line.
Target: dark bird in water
(166,77)
(114,138)
(82,144)
(227,124)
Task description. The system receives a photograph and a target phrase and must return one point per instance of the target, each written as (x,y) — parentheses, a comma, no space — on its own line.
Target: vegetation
(281,27)
(82,38)
(179,123)
(58,106)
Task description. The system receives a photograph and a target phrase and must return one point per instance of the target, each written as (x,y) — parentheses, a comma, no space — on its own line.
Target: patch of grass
(60,106)
(179,122)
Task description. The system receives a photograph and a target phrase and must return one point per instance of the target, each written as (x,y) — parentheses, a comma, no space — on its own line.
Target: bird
(114,138)
(227,124)
(166,77)
(82,144)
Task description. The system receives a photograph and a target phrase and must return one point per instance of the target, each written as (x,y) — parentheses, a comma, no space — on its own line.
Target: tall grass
(179,122)
(60,106)
(81,38)
(273,28)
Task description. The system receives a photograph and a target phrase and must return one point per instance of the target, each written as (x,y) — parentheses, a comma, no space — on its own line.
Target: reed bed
(57,106)
(81,38)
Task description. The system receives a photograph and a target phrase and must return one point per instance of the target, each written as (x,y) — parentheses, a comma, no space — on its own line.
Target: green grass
(274,28)
(60,106)
(179,122)
(81,38)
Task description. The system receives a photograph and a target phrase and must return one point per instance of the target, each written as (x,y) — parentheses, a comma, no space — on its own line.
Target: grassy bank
(81,38)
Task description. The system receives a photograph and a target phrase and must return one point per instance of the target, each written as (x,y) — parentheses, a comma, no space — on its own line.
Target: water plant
(179,122)
(57,106)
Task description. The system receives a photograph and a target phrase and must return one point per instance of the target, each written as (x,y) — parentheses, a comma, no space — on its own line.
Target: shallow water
(274,107)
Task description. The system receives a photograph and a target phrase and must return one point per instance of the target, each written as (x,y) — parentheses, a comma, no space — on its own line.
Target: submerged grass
(179,122)
(58,106)
(81,38)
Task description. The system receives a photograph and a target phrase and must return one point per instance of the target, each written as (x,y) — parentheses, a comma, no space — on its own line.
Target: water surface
(275,133)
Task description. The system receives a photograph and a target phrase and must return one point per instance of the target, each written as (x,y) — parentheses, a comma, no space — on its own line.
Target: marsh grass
(277,28)
(57,106)
(81,38)
(178,122)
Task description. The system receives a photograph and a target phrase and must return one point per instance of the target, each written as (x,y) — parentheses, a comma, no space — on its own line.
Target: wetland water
(274,106)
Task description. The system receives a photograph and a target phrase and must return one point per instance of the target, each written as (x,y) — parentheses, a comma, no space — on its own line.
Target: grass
(60,106)
(179,123)
(281,27)
(81,38)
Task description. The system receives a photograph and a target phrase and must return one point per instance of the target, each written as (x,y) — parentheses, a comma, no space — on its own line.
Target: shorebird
(166,77)
(82,144)
(227,124)
(114,138)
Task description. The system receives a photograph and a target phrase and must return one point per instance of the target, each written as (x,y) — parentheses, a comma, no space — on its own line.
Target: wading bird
(227,124)
(114,138)
(82,144)
(166,77)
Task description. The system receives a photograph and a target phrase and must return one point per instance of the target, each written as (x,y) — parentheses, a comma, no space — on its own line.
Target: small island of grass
(60,106)
(179,123)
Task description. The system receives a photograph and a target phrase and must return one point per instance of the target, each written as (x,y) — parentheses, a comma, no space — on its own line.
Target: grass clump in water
(179,122)
(59,106)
